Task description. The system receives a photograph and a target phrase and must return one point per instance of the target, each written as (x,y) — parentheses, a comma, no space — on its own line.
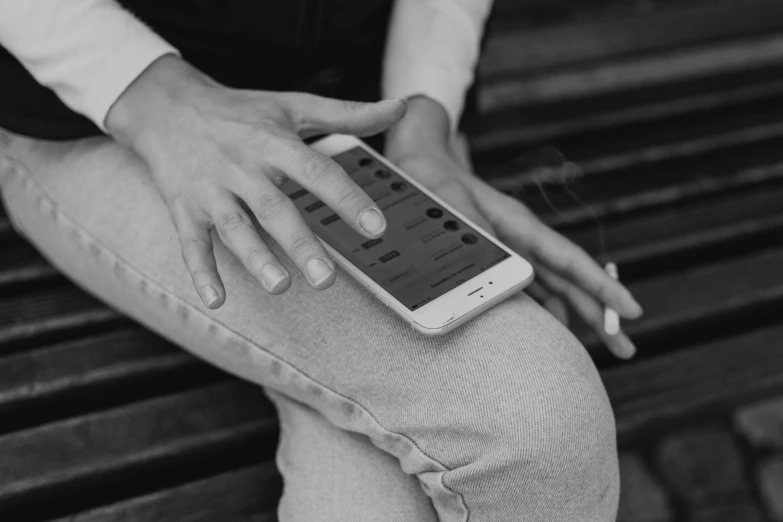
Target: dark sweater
(328,47)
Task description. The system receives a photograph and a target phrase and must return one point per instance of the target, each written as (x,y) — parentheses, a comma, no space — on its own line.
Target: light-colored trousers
(505,419)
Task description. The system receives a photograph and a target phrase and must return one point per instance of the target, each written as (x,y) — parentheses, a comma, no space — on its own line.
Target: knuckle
(271,205)
(347,197)
(352,107)
(570,264)
(257,257)
(301,244)
(314,169)
(229,222)
(193,248)
(277,177)
(201,273)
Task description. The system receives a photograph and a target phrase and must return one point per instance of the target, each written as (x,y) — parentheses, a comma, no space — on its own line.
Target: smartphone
(432,267)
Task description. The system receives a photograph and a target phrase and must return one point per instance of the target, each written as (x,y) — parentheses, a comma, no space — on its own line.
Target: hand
(218,155)
(419,144)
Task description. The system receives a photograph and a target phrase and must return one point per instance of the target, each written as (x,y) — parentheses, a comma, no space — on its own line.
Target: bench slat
(94,373)
(51,314)
(20,264)
(6,230)
(657,393)
(513,47)
(656,185)
(627,120)
(96,459)
(704,302)
(634,72)
(246,494)
(674,237)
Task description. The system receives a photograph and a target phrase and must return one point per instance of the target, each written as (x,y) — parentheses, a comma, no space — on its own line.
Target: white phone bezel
(458,305)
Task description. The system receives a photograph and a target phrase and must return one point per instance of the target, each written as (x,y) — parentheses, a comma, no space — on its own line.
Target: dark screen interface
(425,252)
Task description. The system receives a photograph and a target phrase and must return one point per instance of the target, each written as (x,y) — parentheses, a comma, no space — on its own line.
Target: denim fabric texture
(505,419)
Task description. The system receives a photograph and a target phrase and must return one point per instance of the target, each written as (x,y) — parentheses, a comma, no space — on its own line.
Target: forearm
(86,51)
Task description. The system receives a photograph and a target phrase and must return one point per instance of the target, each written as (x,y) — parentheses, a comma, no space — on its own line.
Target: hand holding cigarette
(611,317)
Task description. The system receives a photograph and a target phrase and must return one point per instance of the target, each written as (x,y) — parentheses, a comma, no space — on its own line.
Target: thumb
(318,115)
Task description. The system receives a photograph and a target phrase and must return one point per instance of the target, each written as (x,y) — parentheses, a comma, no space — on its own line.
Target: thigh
(508,402)
(331,475)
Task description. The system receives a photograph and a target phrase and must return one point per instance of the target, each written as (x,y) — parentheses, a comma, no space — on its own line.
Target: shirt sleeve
(87,51)
(432,50)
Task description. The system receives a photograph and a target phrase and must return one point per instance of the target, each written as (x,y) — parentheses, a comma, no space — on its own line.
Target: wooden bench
(674,114)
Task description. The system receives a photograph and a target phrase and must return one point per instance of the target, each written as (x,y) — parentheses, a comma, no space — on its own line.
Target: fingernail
(628,349)
(274,277)
(210,295)
(372,222)
(318,271)
(636,309)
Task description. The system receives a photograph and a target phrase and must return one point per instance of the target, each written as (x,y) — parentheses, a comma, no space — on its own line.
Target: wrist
(150,96)
(425,128)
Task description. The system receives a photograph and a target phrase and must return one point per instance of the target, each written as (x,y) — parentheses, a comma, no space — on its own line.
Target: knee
(562,454)
(549,440)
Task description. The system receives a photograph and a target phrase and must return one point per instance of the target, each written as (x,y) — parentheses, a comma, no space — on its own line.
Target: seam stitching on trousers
(30,179)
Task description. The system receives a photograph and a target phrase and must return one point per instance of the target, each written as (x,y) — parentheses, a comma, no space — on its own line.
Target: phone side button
(382,300)
(448,319)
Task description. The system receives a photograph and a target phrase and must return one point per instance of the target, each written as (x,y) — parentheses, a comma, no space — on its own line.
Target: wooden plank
(599,121)
(655,394)
(70,466)
(675,237)
(6,230)
(21,264)
(540,12)
(685,147)
(51,315)
(514,47)
(93,373)
(703,302)
(646,184)
(622,74)
(250,493)
(687,140)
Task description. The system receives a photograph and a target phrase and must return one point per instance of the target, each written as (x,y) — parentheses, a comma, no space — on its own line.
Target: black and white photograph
(391,261)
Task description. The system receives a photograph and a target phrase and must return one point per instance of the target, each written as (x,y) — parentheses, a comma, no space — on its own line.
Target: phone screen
(426,250)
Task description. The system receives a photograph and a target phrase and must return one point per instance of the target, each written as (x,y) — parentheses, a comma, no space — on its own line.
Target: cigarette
(611,318)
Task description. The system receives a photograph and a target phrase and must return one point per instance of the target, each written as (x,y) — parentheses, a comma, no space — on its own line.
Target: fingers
(569,260)
(590,311)
(553,304)
(196,244)
(317,115)
(524,231)
(324,178)
(455,194)
(236,229)
(279,217)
